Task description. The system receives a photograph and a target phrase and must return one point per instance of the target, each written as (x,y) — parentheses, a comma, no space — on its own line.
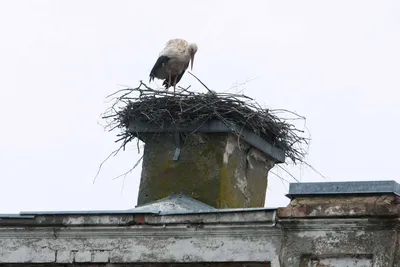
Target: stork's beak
(191,61)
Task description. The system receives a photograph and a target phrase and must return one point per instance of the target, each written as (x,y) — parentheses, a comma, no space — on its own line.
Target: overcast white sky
(335,62)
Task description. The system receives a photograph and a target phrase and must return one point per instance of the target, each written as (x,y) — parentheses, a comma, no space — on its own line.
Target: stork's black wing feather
(161,61)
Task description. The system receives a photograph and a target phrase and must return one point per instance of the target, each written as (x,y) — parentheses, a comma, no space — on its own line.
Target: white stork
(173,61)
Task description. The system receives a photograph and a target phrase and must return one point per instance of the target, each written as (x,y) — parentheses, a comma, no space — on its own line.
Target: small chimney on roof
(215,148)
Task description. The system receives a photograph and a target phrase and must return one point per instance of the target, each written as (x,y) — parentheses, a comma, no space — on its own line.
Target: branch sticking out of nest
(160,107)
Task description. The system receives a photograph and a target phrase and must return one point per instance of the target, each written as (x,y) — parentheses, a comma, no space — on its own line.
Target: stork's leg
(176,78)
(169,79)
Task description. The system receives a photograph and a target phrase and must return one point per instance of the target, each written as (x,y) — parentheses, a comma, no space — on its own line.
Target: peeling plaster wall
(326,242)
(133,244)
(352,230)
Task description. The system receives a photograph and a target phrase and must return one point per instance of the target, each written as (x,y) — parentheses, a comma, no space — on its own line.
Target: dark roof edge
(343,188)
(31,214)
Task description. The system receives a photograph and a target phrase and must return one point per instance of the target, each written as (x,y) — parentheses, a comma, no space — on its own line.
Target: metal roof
(172,205)
(181,204)
(175,202)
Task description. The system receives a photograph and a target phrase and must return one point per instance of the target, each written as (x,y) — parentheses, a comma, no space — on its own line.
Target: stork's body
(173,61)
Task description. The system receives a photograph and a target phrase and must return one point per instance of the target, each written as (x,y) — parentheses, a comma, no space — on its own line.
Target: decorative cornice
(139,231)
(231,217)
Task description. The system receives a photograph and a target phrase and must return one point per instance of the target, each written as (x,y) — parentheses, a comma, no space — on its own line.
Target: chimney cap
(212,126)
(343,188)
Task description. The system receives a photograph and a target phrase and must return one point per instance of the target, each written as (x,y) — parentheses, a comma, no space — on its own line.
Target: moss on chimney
(200,172)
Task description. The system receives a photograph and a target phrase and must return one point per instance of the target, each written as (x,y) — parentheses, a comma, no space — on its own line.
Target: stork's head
(192,50)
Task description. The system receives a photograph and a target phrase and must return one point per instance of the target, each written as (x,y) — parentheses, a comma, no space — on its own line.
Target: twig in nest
(115,152)
(126,173)
(205,86)
(130,170)
(281,179)
(291,175)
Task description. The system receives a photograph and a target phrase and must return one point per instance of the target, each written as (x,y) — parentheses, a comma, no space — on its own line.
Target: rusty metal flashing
(343,188)
(213,126)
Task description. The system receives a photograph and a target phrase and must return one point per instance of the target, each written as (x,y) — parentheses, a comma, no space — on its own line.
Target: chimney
(207,162)
(339,199)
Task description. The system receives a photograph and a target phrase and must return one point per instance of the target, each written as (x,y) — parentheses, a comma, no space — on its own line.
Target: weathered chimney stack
(206,162)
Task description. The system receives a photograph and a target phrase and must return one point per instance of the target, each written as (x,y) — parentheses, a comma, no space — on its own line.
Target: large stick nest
(160,107)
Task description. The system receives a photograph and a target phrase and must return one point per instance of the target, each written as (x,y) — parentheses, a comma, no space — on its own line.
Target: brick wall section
(93,256)
(333,206)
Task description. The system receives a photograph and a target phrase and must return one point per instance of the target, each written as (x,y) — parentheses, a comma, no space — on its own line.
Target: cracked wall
(135,244)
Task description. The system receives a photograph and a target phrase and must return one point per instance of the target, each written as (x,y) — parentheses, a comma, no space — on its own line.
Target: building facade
(325,224)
